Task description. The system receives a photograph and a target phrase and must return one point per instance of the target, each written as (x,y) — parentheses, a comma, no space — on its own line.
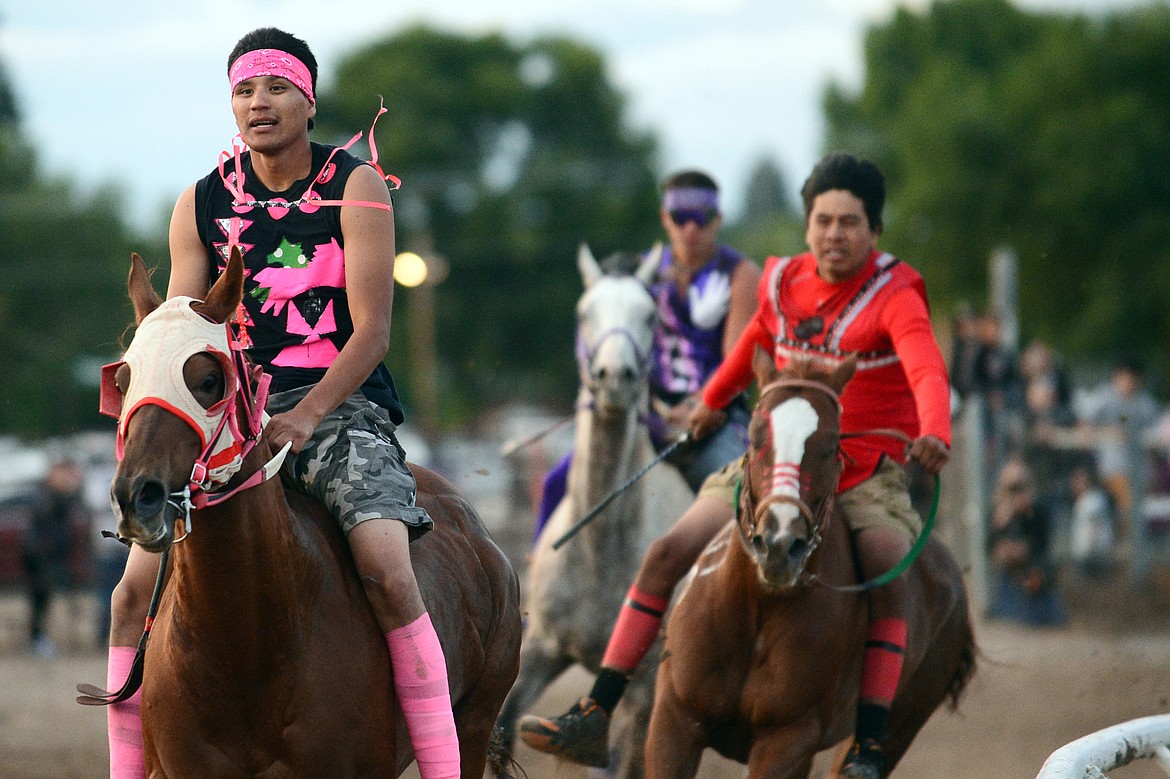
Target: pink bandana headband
(272,62)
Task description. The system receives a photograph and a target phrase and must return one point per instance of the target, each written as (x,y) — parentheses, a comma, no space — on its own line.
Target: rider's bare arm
(369,272)
(734,374)
(189,266)
(742,306)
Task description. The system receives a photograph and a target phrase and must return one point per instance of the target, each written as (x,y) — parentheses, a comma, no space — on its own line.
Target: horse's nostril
(151,497)
(797,548)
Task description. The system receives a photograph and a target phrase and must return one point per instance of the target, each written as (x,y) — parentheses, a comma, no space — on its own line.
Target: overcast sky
(135,92)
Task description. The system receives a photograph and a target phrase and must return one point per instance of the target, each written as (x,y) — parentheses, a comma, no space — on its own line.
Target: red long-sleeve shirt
(881,314)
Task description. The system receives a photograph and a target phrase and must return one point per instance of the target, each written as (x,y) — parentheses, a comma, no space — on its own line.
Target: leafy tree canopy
(1046,132)
(63,302)
(771,223)
(510,155)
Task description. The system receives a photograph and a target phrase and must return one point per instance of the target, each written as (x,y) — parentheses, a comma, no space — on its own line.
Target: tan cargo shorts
(882,500)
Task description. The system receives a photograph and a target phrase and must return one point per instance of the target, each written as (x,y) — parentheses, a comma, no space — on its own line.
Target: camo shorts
(354,464)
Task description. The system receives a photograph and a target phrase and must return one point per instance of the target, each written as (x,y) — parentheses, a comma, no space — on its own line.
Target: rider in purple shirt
(706,295)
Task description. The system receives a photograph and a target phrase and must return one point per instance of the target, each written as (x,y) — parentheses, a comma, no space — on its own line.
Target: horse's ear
(224,296)
(587,264)
(764,366)
(142,293)
(648,270)
(843,372)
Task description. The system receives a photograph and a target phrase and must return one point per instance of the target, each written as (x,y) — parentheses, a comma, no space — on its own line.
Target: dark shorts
(697,461)
(354,465)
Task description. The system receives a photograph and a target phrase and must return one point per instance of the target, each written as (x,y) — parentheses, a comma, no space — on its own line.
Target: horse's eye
(210,384)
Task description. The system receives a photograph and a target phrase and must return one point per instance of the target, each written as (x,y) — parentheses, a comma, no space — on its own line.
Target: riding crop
(593,512)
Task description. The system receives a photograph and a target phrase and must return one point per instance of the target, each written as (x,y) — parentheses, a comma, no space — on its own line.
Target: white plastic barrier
(1089,757)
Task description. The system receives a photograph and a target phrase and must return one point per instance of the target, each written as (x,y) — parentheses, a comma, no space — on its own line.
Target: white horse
(574,593)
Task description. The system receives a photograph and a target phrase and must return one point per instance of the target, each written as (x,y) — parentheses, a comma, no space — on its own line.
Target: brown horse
(265,659)
(762,659)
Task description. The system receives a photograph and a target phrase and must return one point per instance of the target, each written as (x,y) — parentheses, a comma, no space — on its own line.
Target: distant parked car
(15,510)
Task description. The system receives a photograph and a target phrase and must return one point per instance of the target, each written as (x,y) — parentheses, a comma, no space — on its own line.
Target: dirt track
(1035,691)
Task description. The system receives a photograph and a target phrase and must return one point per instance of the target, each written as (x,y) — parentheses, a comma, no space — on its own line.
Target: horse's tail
(965,667)
(501,764)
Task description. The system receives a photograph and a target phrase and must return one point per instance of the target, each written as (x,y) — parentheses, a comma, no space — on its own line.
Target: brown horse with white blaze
(265,659)
(762,657)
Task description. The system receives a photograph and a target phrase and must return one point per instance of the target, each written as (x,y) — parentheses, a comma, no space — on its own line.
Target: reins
(904,563)
(919,542)
(92,695)
(593,512)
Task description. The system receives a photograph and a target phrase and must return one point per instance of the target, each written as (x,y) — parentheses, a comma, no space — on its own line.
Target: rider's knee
(665,563)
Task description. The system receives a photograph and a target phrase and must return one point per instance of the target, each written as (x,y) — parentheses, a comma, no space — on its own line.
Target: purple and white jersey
(688,343)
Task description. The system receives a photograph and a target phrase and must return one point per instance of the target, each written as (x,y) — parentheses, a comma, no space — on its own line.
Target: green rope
(903,564)
(911,556)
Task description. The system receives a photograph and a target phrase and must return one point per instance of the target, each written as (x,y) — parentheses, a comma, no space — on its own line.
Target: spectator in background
(965,350)
(1038,363)
(1046,423)
(1121,423)
(997,379)
(47,546)
(1024,586)
(996,373)
(1091,531)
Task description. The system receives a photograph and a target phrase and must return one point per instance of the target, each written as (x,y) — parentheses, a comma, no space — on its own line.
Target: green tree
(767,193)
(63,301)
(770,223)
(1047,132)
(510,155)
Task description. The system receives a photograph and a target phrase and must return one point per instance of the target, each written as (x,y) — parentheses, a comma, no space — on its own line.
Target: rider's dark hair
(695,179)
(859,177)
(275,38)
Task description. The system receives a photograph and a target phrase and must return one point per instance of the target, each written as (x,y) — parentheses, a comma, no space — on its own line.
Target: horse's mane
(806,367)
(620,264)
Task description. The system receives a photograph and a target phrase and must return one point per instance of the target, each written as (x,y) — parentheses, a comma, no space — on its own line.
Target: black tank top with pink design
(295,315)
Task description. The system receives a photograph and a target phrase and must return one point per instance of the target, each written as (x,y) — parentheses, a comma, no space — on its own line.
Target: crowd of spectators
(1071,469)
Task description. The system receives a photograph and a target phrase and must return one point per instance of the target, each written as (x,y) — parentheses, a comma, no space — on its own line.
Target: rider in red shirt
(879,313)
(842,297)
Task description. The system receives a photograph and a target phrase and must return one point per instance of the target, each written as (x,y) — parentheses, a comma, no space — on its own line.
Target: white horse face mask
(163,343)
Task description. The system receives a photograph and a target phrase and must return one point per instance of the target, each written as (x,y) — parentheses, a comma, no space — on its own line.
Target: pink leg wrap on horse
(124,720)
(420,679)
(636,628)
(885,649)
